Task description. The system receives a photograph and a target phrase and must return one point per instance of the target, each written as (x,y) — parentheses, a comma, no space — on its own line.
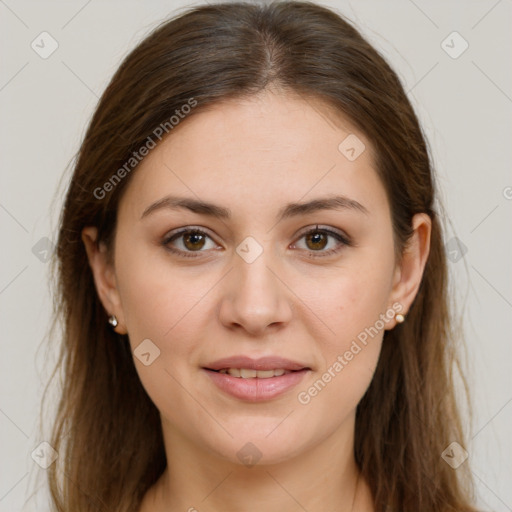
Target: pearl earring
(112,320)
(399,318)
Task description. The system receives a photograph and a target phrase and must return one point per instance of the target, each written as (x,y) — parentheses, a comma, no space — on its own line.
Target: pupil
(317,240)
(192,240)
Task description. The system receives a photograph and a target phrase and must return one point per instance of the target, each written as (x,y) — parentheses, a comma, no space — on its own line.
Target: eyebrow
(290,210)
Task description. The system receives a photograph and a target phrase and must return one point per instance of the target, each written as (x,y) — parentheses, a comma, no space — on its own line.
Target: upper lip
(262,363)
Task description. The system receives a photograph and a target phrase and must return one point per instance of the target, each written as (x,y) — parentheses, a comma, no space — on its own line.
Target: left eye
(194,240)
(317,239)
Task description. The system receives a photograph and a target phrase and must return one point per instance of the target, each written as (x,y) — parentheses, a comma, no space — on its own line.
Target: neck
(325,477)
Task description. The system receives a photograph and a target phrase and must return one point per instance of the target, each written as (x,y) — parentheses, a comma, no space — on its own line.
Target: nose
(255,297)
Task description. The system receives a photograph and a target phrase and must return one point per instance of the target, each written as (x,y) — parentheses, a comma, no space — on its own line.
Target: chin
(262,446)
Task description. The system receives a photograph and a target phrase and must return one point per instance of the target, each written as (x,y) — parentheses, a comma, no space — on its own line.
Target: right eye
(189,241)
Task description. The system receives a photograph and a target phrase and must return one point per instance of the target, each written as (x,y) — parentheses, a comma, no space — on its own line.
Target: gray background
(464,104)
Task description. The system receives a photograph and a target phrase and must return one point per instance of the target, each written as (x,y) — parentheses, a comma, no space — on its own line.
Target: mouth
(249,373)
(255,380)
(246,365)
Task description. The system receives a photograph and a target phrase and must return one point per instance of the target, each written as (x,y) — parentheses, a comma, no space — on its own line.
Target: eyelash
(343,239)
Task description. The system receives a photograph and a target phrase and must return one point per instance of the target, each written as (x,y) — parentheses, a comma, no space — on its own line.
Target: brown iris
(190,240)
(318,239)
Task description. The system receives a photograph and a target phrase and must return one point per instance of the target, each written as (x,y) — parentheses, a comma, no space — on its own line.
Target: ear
(409,271)
(104,276)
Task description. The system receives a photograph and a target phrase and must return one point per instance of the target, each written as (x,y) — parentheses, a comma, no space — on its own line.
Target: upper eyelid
(331,231)
(187,229)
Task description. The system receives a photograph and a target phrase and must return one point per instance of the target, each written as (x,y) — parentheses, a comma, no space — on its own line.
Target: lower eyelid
(341,243)
(177,236)
(342,240)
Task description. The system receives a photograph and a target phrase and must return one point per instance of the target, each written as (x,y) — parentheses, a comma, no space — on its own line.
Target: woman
(252,280)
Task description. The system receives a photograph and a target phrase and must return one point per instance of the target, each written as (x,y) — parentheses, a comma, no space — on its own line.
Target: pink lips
(263,363)
(256,389)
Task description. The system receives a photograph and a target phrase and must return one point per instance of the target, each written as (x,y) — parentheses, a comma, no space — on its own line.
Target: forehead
(262,150)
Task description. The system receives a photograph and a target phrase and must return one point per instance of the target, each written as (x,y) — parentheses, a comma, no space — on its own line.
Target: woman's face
(252,284)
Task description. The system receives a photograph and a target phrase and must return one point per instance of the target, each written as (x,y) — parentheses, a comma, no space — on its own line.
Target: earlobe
(104,276)
(409,274)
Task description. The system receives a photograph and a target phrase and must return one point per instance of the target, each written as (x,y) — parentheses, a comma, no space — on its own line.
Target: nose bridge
(256,296)
(252,272)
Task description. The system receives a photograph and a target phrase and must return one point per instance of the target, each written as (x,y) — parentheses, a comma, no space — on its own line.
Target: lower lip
(254,389)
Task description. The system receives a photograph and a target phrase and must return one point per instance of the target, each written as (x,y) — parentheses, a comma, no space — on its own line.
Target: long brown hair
(107,431)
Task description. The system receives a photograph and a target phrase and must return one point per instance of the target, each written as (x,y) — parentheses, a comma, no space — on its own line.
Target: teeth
(246,373)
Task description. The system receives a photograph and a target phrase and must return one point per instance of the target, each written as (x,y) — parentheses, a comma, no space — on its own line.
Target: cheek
(164,306)
(351,298)
(156,298)
(354,308)
(354,314)
(354,304)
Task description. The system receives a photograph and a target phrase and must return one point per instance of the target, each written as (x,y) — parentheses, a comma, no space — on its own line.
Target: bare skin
(294,300)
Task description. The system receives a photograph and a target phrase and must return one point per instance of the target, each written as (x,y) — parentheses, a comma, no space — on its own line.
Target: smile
(247,373)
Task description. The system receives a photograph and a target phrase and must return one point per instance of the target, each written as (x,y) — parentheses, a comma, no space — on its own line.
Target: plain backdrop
(454,59)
